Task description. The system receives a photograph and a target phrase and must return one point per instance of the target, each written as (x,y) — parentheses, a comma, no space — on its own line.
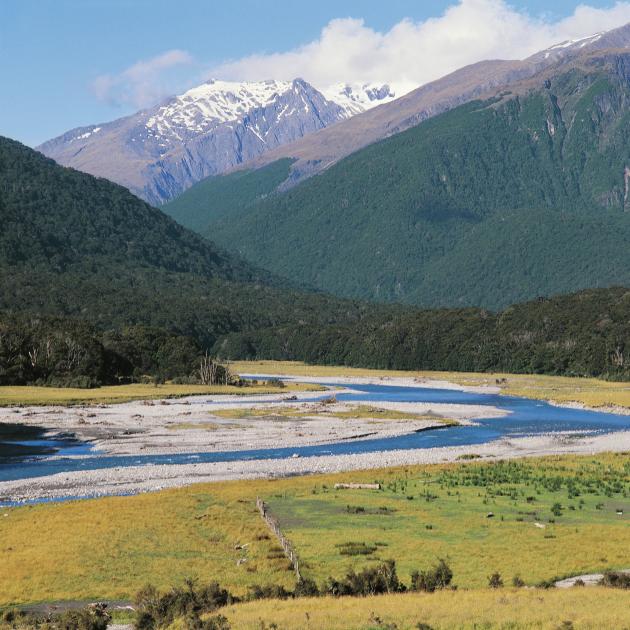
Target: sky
(68,63)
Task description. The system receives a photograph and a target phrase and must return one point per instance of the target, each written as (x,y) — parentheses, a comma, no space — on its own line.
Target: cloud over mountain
(413,53)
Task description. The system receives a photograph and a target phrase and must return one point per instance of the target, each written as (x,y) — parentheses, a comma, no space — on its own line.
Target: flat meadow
(541,519)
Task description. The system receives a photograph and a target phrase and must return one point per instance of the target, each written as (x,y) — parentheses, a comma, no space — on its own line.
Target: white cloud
(413,53)
(143,83)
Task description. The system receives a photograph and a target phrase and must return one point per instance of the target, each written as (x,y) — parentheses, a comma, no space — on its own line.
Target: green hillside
(226,194)
(74,245)
(492,203)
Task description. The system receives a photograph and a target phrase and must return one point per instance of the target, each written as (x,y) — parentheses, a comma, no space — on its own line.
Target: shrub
(356,549)
(275,382)
(440,576)
(495,580)
(158,610)
(306,588)
(93,618)
(616,579)
(268,591)
(517,581)
(371,581)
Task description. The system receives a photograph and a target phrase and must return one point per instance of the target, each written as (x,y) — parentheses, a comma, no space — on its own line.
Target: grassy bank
(591,392)
(508,608)
(110,547)
(28,395)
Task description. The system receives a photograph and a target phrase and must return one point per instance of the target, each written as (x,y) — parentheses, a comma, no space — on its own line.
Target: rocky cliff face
(159,152)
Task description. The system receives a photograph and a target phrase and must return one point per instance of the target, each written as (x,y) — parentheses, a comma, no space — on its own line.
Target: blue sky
(65,63)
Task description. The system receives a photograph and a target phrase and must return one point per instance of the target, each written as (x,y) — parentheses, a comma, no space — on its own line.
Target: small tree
(440,576)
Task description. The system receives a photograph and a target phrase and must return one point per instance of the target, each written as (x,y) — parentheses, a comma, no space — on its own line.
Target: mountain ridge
(159,152)
(478,80)
(491,203)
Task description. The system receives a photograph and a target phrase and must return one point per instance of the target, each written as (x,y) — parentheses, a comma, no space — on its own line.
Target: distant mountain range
(521,194)
(159,152)
(317,152)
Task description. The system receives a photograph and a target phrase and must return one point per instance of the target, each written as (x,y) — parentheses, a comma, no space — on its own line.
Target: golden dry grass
(356,412)
(111,547)
(30,395)
(591,392)
(590,608)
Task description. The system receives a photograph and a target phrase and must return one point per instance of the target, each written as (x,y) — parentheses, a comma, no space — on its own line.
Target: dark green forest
(492,203)
(66,352)
(81,250)
(217,197)
(582,334)
(98,287)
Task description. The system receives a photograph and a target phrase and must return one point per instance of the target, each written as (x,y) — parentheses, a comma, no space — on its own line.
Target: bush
(616,579)
(275,382)
(91,618)
(517,581)
(158,610)
(495,580)
(269,591)
(371,581)
(440,576)
(356,549)
(306,588)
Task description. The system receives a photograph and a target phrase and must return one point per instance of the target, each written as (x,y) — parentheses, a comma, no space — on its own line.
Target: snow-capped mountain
(359,97)
(568,47)
(159,152)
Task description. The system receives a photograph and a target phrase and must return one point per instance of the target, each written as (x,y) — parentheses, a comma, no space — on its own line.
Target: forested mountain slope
(57,217)
(75,245)
(492,203)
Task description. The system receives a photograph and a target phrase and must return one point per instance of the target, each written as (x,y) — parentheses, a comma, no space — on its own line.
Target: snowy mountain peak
(214,102)
(355,98)
(570,47)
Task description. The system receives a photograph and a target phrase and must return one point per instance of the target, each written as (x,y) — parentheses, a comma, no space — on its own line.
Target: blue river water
(525,417)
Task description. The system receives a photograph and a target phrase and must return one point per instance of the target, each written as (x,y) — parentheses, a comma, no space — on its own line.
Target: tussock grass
(111,547)
(356,412)
(593,608)
(30,395)
(591,392)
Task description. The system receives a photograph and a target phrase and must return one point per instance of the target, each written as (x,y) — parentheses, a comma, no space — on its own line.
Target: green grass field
(31,395)
(111,547)
(550,518)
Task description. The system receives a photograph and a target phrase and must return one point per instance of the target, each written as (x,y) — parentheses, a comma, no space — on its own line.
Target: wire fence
(285,543)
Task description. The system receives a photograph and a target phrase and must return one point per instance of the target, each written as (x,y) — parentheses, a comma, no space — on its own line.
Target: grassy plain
(543,512)
(110,547)
(30,395)
(507,608)
(591,392)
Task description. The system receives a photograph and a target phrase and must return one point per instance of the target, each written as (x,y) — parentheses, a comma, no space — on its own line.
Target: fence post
(285,543)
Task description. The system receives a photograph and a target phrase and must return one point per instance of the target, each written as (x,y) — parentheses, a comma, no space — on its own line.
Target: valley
(313,320)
